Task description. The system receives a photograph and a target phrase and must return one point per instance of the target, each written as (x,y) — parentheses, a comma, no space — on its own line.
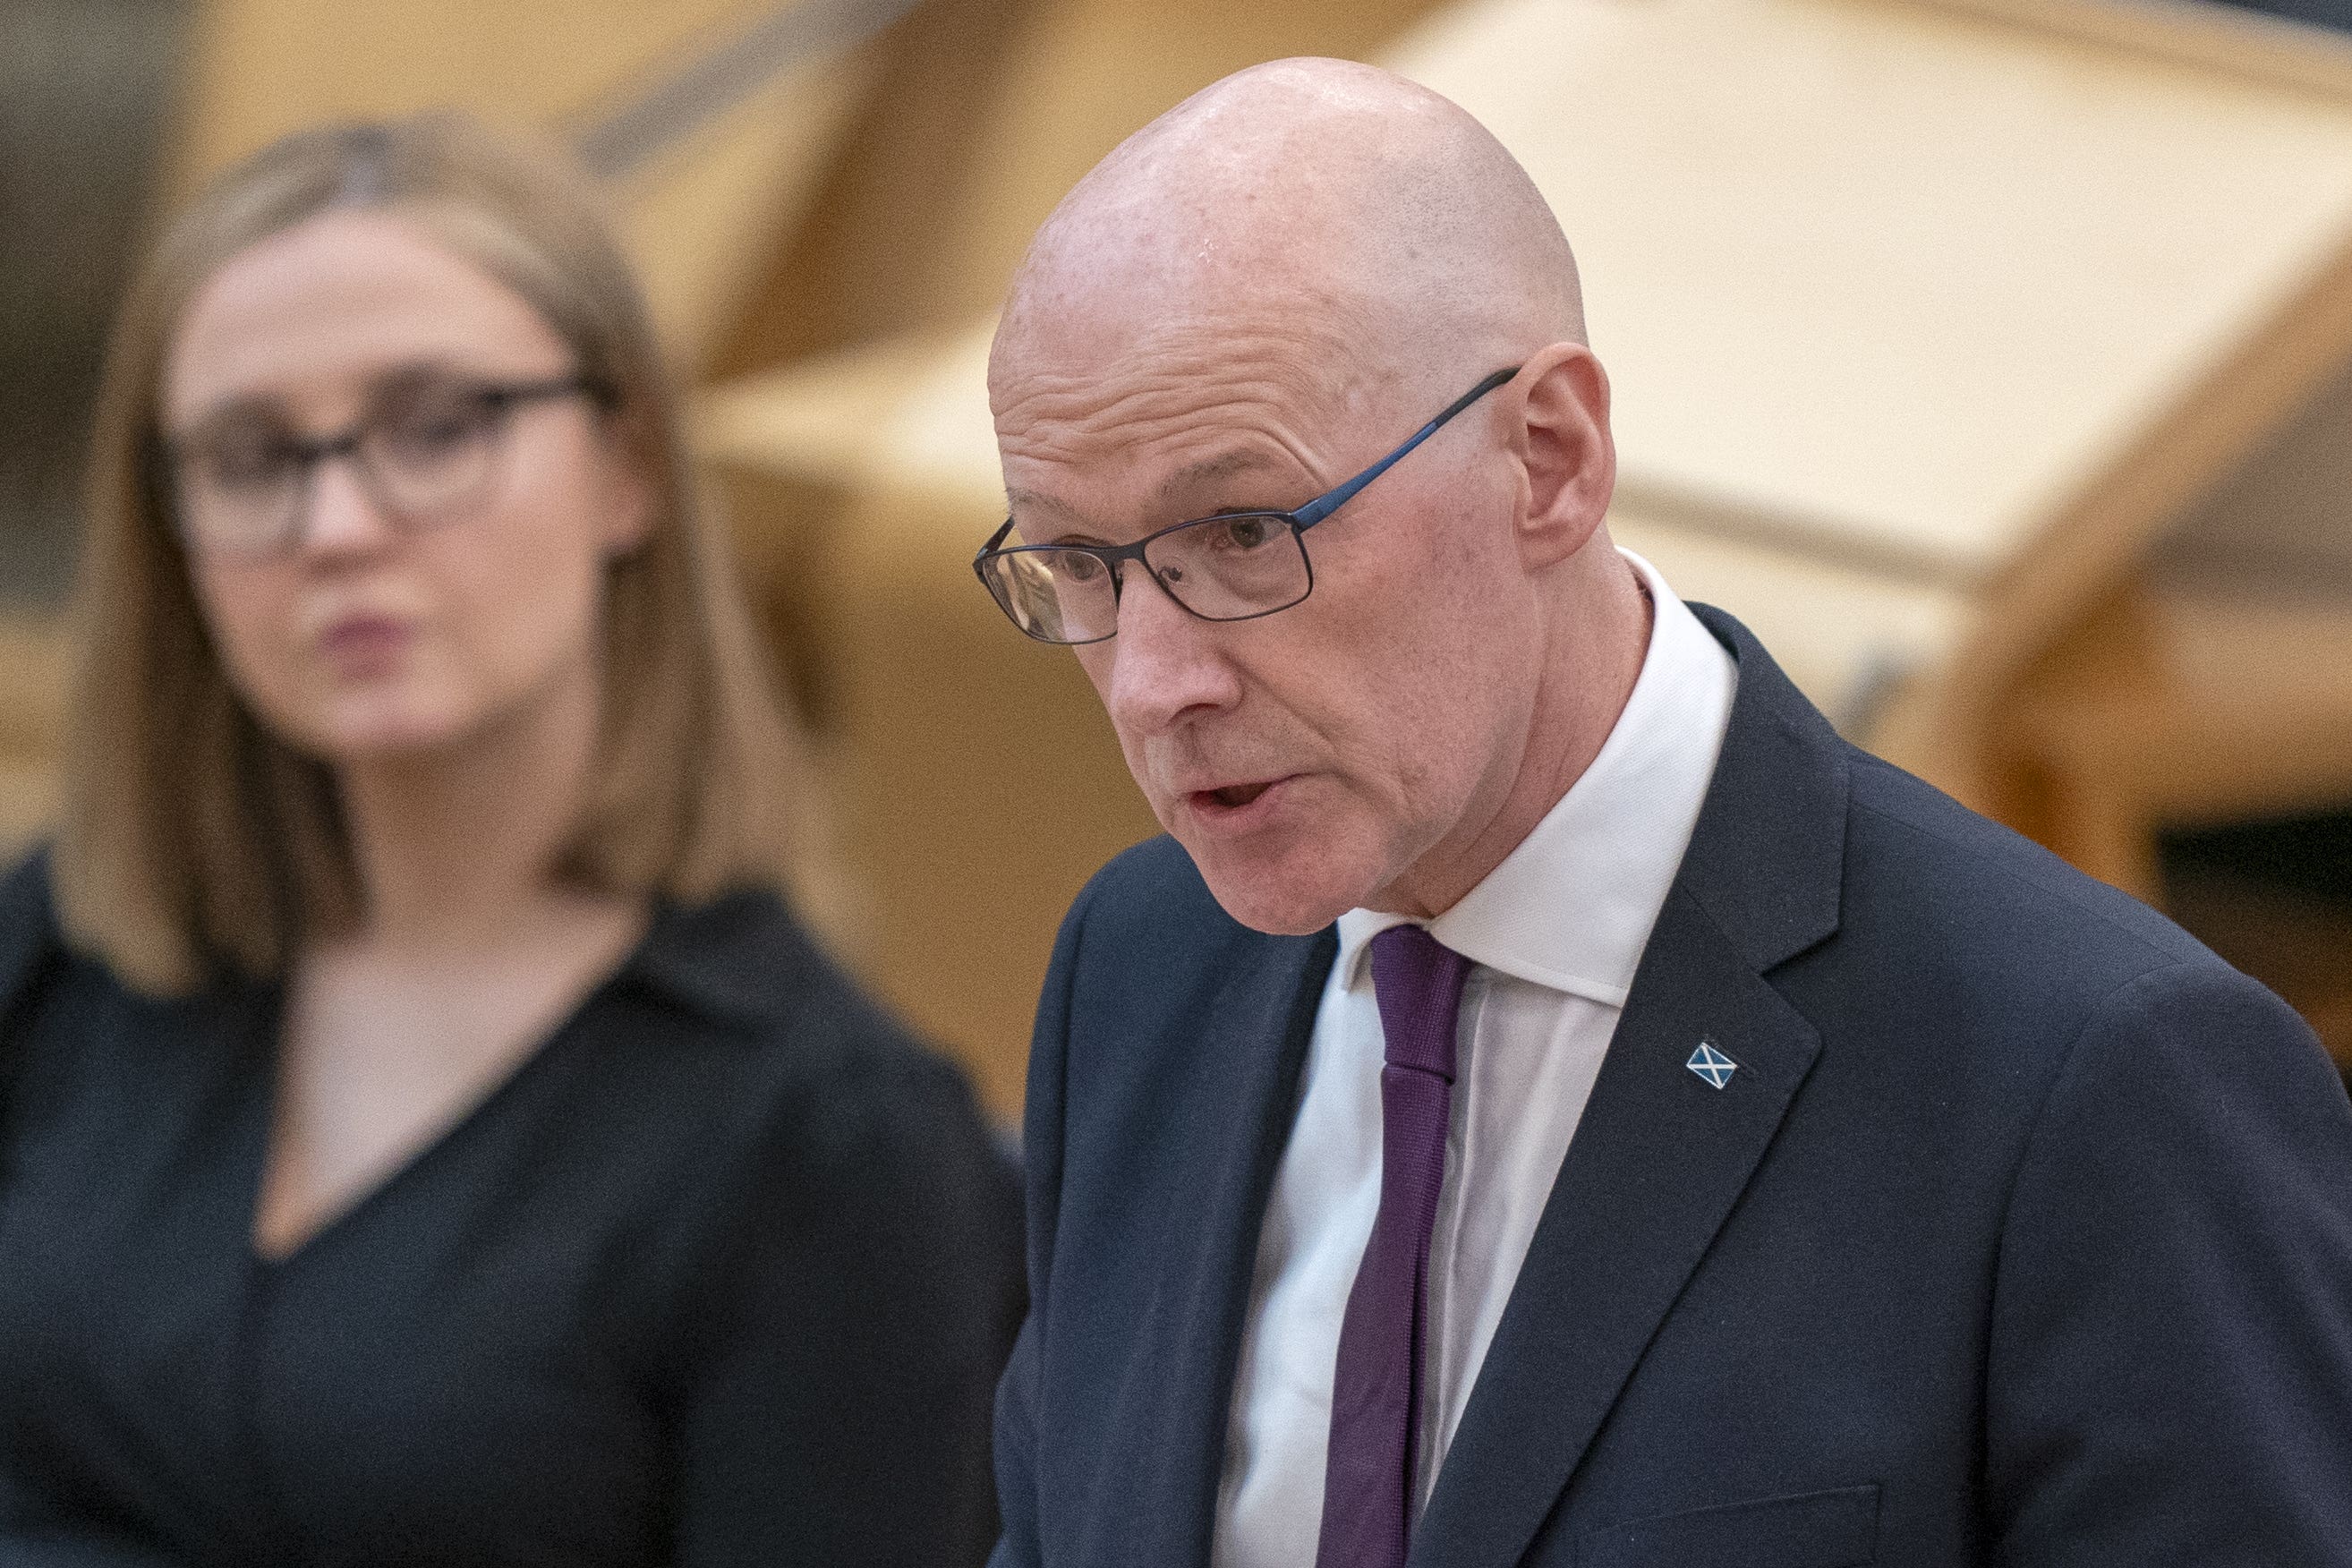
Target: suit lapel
(1662,1155)
(1260,1025)
(1655,1166)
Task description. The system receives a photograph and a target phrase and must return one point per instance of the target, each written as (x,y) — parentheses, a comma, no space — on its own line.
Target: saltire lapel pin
(1712,1065)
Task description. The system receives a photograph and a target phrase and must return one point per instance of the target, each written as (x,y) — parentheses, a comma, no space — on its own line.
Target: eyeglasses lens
(234,486)
(1221,569)
(1231,568)
(1055,595)
(434,452)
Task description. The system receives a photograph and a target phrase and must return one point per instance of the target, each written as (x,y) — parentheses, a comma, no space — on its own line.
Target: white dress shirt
(1554,933)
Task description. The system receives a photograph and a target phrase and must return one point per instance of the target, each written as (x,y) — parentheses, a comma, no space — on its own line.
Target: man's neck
(1590,671)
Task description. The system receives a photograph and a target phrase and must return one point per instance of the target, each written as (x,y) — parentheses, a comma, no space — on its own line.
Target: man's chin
(1268,895)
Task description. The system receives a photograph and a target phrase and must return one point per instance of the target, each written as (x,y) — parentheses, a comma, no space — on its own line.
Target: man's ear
(1570,457)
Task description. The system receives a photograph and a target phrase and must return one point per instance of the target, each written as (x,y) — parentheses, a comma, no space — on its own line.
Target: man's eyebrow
(1224,465)
(1017,501)
(1207,470)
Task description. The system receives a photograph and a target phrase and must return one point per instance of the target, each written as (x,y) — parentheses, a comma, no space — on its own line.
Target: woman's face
(438,568)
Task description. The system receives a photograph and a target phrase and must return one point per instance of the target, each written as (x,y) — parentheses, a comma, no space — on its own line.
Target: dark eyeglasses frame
(312,453)
(1298,521)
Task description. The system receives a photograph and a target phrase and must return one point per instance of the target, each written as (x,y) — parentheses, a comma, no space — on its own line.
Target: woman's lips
(361,646)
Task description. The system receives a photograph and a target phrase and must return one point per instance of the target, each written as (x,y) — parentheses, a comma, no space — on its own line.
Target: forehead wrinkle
(1208,471)
(1310,351)
(1233,446)
(1075,422)
(1275,452)
(1160,407)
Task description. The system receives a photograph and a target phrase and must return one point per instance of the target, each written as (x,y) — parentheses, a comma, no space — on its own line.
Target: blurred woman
(424,1135)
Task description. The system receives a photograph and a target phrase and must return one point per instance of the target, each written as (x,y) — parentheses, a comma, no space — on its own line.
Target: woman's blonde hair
(193,839)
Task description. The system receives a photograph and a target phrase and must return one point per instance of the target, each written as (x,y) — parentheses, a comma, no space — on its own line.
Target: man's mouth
(1230,804)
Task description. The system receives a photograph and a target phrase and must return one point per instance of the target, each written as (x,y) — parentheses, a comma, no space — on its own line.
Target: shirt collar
(1572,907)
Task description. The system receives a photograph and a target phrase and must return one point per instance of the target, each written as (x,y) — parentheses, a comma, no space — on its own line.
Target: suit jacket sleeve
(2170,1365)
(1017,1393)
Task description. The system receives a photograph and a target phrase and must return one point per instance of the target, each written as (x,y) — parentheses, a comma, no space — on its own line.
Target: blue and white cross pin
(1712,1065)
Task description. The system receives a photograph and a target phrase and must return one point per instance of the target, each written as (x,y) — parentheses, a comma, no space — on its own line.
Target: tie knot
(1417,981)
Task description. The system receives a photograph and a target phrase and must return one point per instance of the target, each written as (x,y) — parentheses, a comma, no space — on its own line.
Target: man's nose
(1166,663)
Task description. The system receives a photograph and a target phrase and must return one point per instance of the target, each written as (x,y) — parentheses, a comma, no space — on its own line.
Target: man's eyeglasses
(1233,567)
(428,449)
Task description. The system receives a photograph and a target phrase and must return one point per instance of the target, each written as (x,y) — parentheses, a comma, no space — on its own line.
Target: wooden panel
(702,219)
(2223,37)
(872,260)
(2216,684)
(2196,706)
(1895,274)
(989,112)
(259,68)
(698,220)
(2283,523)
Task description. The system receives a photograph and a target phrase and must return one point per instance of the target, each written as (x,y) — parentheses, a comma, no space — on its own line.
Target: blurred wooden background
(1992,358)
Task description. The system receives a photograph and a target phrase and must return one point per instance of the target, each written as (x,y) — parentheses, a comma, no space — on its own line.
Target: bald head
(1209,348)
(1372,215)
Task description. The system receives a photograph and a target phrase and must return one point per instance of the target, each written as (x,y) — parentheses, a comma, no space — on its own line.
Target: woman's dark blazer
(722,1275)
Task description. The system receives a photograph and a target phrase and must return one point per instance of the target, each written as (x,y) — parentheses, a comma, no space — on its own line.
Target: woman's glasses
(428,449)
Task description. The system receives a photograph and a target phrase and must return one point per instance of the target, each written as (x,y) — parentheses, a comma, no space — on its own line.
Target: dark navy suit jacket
(2021,1235)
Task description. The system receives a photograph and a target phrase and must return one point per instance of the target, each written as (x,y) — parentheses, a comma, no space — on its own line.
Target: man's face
(1310,759)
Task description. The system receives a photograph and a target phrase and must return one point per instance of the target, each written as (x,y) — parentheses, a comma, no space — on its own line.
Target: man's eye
(1243,533)
(1078,566)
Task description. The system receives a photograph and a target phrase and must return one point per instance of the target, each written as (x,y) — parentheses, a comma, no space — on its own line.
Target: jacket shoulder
(1156,869)
(774,1045)
(1961,942)
(1151,899)
(1961,865)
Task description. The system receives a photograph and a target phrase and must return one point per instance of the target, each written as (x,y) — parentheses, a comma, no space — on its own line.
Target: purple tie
(1376,1391)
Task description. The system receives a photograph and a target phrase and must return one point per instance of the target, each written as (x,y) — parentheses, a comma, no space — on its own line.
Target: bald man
(1549,1100)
